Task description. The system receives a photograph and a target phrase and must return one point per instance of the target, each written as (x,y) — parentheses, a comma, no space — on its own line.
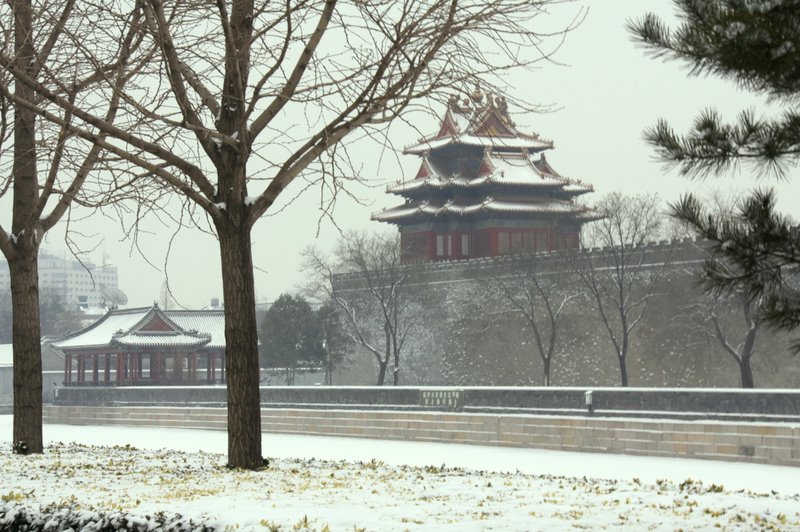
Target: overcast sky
(605,92)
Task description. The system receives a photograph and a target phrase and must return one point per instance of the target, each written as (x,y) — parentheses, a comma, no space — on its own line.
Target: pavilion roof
(155,339)
(489,205)
(149,327)
(501,169)
(480,120)
(211,322)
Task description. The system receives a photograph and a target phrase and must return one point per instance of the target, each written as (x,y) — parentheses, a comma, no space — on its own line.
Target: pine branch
(755,252)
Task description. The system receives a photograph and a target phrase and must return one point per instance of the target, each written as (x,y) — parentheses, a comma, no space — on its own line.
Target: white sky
(606,92)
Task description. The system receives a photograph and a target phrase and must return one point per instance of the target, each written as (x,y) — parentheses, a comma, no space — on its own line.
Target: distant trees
(240,99)
(336,343)
(754,44)
(56,316)
(375,302)
(292,336)
(619,279)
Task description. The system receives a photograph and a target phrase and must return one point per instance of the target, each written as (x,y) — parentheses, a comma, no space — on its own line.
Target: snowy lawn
(320,483)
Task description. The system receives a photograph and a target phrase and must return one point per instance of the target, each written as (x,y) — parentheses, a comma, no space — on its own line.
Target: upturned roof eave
(421,186)
(476,210)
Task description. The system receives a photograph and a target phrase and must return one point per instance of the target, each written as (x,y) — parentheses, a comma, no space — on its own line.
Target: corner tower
(484,189)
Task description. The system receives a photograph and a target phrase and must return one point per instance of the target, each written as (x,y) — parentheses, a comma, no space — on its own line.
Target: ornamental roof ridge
(464,119)
(192,312)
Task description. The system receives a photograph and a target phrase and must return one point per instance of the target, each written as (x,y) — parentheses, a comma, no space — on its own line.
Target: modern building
(147,346)
(82,285)
(484,189)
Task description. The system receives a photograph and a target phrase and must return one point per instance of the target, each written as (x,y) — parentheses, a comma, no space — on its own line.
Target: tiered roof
(478,163)
(150,327)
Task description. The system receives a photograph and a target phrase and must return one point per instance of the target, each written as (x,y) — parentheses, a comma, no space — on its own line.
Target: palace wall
(465,334)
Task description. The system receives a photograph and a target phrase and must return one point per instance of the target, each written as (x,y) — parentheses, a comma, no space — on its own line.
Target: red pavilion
(147,346)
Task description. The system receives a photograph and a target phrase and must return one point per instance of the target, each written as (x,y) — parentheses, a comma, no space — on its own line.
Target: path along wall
(762,427)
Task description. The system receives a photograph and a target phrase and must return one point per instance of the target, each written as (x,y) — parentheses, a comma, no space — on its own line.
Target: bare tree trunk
(746,372)
(241,347)
(623,371)
(328,355)
(27,351)
(381,372)
(546,371)
(23,266)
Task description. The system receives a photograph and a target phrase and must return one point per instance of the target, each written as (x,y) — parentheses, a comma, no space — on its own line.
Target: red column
(120,365)
(95,368)
(222,367)
(81,368)
(155,367)
(67,369)
(177,367)
(107,368)
(193,367)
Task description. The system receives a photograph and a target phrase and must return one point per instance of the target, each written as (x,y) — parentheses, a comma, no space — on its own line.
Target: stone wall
(466,335)
(768,443)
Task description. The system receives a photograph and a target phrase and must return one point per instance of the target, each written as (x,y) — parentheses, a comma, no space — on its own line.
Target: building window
(449,245)
(439,245)
(465,245)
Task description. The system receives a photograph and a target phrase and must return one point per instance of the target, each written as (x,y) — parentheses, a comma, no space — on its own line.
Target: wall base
(765,443)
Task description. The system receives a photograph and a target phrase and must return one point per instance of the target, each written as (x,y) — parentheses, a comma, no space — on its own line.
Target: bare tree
(615,275)
(711,317)
(336,341)
(374,299)
(45,41)
(252,96)
(538,297)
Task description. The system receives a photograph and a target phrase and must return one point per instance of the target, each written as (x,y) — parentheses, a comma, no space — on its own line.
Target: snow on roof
(120,327)
(99,334)
(515,143)
(489,204)
(207,321)
(6,355)
(161,339)
(479,120)
(508,169)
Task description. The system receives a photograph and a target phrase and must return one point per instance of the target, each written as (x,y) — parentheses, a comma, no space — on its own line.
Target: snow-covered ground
(353,484)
